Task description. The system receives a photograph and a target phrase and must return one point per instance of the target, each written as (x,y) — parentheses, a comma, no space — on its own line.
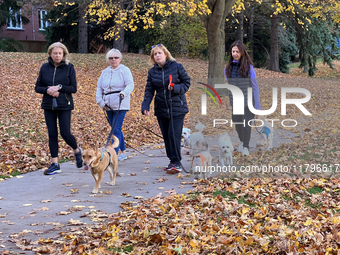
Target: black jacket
(50,75)
(158,80)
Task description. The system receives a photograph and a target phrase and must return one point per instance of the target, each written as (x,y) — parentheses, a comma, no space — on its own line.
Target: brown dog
(99,160)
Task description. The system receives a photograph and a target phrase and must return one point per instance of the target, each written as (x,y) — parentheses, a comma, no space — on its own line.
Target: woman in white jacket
(114,82)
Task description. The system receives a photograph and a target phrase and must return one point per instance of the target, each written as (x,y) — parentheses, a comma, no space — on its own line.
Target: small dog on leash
(226,149)
(186,137)
(197,138)
(202,161)
(99,160)
(265,142)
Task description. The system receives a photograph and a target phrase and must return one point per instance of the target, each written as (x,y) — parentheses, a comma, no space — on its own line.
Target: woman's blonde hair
(111,52)
(164,49)
(63,47)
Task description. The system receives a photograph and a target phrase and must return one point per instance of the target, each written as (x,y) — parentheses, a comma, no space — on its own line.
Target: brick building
(28,35)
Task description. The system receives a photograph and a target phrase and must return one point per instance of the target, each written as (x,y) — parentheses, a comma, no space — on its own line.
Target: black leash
(155,156)
(151,132)
(113,123)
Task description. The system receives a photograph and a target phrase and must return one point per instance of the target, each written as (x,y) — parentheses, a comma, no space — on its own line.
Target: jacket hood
(117,68)
(50,60)
(166,64)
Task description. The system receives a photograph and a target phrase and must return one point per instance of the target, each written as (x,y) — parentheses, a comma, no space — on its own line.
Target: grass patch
(315,190)
(14,173)
(241,200)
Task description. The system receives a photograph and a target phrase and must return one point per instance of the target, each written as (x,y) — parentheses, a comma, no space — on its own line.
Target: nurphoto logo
(238,103)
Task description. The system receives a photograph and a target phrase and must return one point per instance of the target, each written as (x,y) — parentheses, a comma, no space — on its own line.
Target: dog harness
(266,131)
(101,158)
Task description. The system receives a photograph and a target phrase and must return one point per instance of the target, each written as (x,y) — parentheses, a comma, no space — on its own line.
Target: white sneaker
(122,157)
(240,147)
(245,152)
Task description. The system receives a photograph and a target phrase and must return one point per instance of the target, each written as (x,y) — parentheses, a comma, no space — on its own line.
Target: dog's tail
(201,158)
(115,141)
(199,126)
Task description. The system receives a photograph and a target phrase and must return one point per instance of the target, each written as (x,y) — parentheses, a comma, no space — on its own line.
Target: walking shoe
(122,157)
(176,168)
(53,169)
(79,158)
(245,151)
(240,147)
(167,168)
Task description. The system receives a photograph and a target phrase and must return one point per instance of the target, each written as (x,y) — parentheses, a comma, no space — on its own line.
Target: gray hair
(111,52)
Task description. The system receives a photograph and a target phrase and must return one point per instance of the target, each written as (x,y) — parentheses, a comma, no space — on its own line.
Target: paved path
(34,206)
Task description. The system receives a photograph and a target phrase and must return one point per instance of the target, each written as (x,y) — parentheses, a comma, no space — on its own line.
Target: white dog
(265,142)
(226,149)
(197,138)
(201,162)
(186,137)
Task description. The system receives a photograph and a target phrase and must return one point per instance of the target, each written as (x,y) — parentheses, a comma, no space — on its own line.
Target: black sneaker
(53,169)
(79,158)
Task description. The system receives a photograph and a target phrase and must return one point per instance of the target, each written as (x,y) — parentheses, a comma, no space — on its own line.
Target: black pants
(172,135)
(243,129)
(65,130)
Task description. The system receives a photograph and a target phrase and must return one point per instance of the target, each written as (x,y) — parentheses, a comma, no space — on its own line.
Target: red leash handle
(170,81)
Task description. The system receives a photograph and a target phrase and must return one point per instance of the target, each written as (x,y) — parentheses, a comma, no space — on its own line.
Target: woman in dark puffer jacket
(57,82)
(170,103)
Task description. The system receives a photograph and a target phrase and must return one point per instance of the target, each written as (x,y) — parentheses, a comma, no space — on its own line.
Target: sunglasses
(158,45)
(113,58)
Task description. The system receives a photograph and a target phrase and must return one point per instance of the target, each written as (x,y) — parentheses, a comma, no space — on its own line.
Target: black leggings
(65,130)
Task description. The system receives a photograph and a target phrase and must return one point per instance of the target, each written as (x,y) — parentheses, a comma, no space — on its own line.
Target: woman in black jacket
(57,82)
(170,81)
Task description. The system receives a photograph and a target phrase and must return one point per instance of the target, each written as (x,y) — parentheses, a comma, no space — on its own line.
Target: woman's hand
(55,94)
(146,113)
(106,108)
(53,91)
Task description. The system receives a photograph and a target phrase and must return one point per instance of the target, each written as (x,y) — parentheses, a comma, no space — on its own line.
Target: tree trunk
(214,25)
(251,33)
(118,42)
(240,33)
(82,31)
(274,45)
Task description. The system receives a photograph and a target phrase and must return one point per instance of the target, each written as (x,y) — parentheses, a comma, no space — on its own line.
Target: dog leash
(113,123)
(151,131)
(128,145)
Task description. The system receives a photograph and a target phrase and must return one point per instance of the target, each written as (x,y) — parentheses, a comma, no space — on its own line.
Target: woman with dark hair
(240,72)
(170,81)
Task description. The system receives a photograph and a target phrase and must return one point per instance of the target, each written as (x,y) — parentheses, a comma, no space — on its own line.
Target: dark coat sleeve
(184,85)
(148,93)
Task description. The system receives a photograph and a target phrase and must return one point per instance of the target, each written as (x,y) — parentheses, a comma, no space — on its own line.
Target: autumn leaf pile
(221,216)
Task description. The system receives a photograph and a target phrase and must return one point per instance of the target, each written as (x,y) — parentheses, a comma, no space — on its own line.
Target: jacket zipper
(68,100)
(167,107)
(55,69)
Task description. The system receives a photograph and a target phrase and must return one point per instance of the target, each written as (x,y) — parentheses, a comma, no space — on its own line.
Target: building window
(43,23)
(14,21)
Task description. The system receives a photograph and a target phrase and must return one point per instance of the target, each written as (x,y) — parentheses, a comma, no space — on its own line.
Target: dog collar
(266,131)
(187,138)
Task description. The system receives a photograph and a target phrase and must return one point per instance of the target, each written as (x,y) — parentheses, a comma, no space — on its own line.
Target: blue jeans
(118,127)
